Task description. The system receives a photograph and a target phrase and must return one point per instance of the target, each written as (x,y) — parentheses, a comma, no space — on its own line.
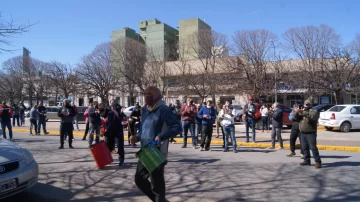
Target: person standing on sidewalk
(188,113)
(265,117)
(295,133)
(34,118)
(95,123)
(227,122)
(249,114)
(158,124)
(277,124)
(86,114)
(208,116)
(42,118)
(75,117)
(66,113)
(198,123)
(22,113)
(218,108)
(308,127)
(16,114)
(5,115)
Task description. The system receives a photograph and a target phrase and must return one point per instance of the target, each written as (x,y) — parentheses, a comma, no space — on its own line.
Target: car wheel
(345,127)
(329,128)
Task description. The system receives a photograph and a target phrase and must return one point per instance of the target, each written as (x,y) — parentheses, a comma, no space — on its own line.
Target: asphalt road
(250,175)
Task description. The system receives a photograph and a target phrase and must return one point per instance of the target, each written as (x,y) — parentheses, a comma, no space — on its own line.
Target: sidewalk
(327,140)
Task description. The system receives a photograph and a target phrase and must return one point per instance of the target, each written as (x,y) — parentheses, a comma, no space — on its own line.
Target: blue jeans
(250,121)
(186,125)
(76,122)
(94,128)
(43,123)
(7,124)
(22,119)
(229,131)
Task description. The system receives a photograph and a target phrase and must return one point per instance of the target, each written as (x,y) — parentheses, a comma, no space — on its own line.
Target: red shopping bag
(101,154)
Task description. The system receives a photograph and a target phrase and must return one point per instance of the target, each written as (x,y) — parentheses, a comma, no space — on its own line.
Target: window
(336,108)
(355,110)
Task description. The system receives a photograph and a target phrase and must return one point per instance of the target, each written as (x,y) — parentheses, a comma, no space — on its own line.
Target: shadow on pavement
(341,163)
(334,157)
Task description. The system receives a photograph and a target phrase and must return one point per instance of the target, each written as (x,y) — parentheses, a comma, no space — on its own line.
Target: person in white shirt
(227,122)
(265,117)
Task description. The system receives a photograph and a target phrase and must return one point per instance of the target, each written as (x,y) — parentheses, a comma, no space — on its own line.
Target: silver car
(18,169)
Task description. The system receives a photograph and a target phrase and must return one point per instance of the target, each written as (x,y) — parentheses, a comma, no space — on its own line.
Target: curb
(220,142)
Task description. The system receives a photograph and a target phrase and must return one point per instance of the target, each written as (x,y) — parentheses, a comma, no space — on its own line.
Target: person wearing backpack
(5,115)
(295,133)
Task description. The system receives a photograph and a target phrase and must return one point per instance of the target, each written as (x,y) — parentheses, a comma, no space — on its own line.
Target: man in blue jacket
(277,124)
(157,123)
(208,115)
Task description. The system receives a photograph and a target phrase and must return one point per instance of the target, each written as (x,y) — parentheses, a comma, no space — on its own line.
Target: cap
(250,99)
(307,102)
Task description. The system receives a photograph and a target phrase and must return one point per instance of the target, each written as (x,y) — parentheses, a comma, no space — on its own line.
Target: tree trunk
(337,97)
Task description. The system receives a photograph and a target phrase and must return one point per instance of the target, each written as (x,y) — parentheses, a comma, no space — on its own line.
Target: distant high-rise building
(189,31)
(160,39)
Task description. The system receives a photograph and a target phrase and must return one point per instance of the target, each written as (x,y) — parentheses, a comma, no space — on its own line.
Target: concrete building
(189,30)
(160,39)
(125,33)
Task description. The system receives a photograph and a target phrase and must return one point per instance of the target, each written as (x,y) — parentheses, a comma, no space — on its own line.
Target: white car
(18,169)
(129,110)
(345,117)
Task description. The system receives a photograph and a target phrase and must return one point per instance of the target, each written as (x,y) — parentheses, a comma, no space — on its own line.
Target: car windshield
(336,108)
(318,107)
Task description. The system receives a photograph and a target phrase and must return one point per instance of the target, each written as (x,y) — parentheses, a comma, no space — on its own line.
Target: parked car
(345,117)
(52,113)
(323,107)
(238,112)
(286,110)
(129,110)
(18,169)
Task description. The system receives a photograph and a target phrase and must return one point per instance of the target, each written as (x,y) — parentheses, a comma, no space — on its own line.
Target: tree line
(312,58)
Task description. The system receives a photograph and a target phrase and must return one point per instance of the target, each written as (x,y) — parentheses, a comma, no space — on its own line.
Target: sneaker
(270,148)
(235,151)
(184,146)
(317,165)
(302,156)
(291,154)
(207,149)
(304,163)
(121,163)
(61,147)
(84,139)
(201,149)
(46,133)
(37,134)
(71,147)
(280,148)
(225,150)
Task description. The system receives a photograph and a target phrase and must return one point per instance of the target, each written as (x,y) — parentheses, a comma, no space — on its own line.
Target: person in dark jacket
(22,113)
(113,130)
(95,123)
(66,113)
(207,114)
(249,114)
(5,115)
(277,124)
(134,122)
(16,115)
(42,118)
(308,127)
(295,133)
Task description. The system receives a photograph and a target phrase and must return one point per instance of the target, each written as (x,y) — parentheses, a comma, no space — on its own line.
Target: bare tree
(9,29)
(260,65)
(96,74)
(10,87)
(63,78)
(326,64)
(41,80)
(198,76)
(128,57)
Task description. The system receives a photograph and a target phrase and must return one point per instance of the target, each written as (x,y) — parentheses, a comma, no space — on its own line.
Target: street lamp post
(273,46)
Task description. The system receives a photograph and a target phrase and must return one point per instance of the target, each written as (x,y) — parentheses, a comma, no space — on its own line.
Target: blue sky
(70,29)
